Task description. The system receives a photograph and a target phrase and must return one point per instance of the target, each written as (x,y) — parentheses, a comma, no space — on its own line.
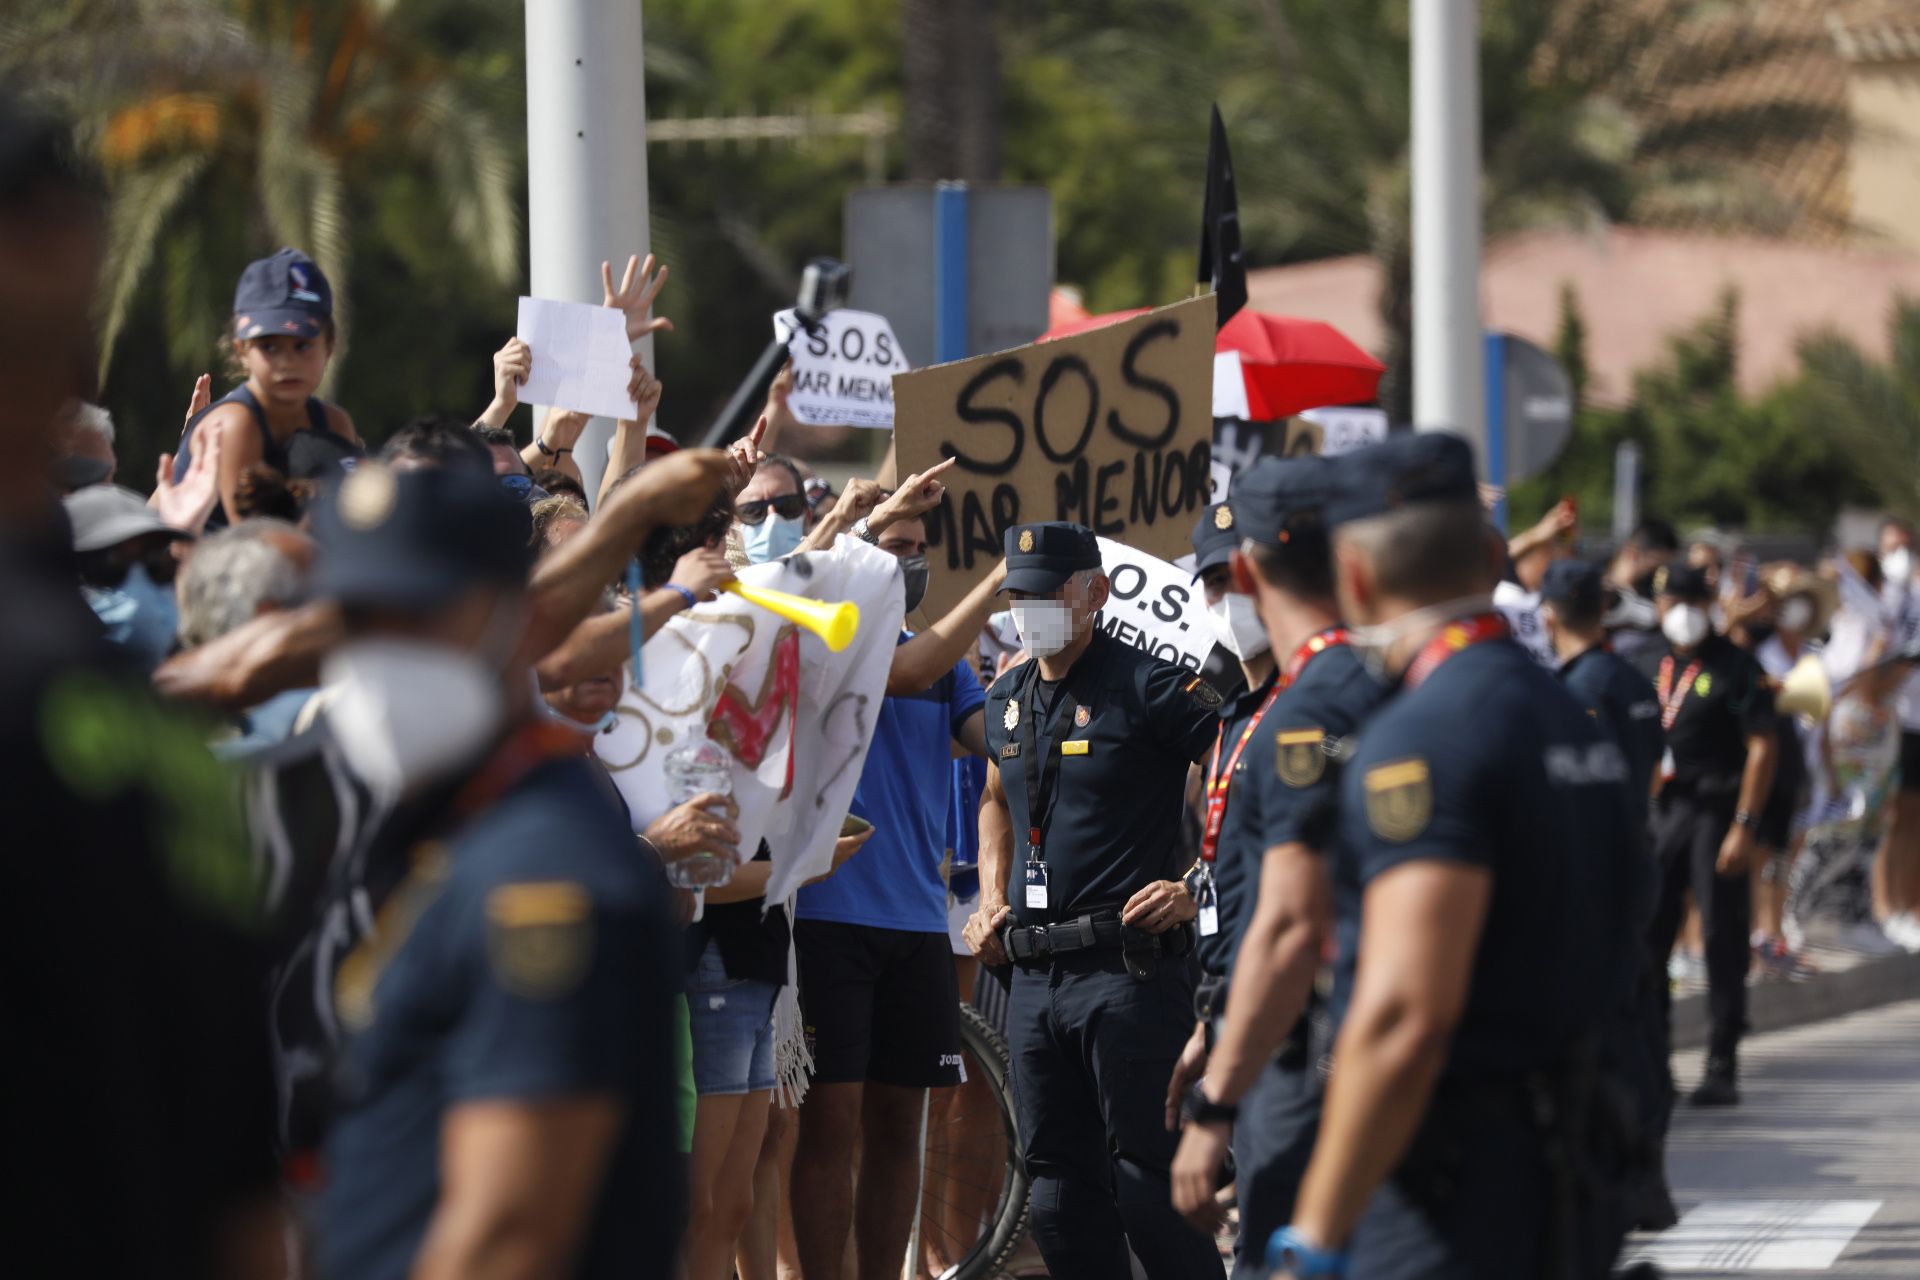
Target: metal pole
(950,301)
(1448,389)
(586,161)
(1494,457)
(1626,489)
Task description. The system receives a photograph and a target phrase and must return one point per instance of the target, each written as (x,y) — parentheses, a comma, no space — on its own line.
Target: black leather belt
(1098,930)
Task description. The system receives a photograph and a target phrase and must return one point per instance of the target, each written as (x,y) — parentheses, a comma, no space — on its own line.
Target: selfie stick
(823,288)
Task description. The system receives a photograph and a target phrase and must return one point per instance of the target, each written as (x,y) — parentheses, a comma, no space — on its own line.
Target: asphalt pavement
(1817,1172)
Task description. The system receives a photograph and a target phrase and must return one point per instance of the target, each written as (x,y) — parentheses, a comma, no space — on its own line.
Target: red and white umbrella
(1270,367)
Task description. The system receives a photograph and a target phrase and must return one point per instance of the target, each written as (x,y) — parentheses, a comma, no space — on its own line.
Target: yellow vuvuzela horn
(833,621)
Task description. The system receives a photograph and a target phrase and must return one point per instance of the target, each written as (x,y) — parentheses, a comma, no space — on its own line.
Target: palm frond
(142,204)
(475,174)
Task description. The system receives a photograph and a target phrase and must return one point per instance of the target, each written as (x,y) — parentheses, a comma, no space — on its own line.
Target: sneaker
(1717,1087)
(1903,930)
(1866,938)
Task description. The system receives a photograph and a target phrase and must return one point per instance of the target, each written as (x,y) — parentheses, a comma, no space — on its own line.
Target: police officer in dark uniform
(1714,779)
(138,1109)
(509,1077)
(1572,605)
(1488,826)
(1091,741)
(1263,1078)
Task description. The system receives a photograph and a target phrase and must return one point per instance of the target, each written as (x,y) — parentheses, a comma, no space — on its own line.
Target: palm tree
(1871,410)
(230,127)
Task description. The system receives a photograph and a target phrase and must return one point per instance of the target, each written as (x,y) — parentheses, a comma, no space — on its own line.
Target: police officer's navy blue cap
(414,540)
(1415,469)
(1575,585)
(1275,491)
(285,295)
(1682,582)
(1042,556)
(1214,537)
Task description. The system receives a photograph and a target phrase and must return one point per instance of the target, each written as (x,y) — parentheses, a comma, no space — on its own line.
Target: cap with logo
(1574,585)
(414,540)
(1415,469)
(285,295)
(106,515)
(1683,582)
(1276,492)
(1214,537)
(1040,557)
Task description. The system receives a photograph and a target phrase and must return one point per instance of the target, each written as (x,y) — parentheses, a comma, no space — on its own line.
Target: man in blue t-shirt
(877,985)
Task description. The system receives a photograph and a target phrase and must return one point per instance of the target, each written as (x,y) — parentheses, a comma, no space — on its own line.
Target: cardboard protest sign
(1111,428)
(1153,606)
(842,368)
(1237,444)
(581,357)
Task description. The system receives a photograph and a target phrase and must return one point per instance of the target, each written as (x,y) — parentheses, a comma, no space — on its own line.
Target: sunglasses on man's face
(109,568)
(788,506)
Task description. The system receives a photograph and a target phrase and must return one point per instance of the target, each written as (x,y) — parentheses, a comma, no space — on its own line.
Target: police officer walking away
(510,1073)
(1091,740)
(1717,710)
(1262,1080)
(1572,604)
(1484,812)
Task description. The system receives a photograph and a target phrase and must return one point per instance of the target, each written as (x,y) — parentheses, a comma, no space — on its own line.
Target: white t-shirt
(1521,608)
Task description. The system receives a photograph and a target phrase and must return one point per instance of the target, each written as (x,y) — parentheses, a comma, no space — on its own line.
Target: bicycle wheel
(973,1208)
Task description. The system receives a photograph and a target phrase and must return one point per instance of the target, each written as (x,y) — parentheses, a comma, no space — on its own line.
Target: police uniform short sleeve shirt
(1621,701)
(528,957)
(1722,702)
(1112,759)
(1491,763)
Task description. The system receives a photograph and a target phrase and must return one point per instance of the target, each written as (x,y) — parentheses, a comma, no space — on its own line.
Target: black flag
(1220,262)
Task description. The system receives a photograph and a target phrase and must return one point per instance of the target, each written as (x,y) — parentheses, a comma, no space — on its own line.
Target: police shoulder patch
(540,937)
(1299,756)
(1203,693)
(1399,799)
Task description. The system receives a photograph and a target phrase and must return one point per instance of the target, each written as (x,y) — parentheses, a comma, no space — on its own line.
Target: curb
(1772,1006)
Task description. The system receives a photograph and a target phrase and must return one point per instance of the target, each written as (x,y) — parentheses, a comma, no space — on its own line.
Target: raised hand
(917,495)
(638,288)
(186,506)
(202,396)
(644,390)
(512,364)
(744,455)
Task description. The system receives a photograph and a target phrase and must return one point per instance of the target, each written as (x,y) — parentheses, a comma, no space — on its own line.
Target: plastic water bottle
(696,767)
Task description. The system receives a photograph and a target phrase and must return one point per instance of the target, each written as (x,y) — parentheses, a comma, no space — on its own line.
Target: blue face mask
(140,616)
(772,538)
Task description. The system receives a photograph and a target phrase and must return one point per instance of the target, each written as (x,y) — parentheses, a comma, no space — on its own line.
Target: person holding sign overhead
(1079,831)
(1262,1082)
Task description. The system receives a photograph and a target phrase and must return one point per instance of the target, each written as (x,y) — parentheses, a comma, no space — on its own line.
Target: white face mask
(1686,625)
(1796,614)
(406,712)
(1237,626)
(1374,645)
(1897,568)
(1045,626)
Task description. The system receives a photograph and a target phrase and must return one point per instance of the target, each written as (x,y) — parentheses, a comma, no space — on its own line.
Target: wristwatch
(863,531)
(1198,1108)
(1289,1251)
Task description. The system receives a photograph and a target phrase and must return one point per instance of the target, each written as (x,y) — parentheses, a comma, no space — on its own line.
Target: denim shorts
(732,1020)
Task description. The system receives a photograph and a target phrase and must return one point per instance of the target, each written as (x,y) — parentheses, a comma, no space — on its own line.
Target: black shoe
(1652,1204)
(1717,1087)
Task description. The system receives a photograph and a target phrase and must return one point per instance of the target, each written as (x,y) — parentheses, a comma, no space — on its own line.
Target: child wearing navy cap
(281,339)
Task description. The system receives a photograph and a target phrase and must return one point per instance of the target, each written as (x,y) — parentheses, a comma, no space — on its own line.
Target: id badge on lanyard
(1036,881)
(1207,901)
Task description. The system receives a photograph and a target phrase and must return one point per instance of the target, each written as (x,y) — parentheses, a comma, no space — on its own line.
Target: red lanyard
(1454,637)
(1670,706)
(1220,781)
(528,747)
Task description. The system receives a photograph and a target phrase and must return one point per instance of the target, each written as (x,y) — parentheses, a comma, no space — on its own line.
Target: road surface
(1817,1173)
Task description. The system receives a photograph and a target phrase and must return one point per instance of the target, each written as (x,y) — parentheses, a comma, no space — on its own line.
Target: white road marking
(1722,1236)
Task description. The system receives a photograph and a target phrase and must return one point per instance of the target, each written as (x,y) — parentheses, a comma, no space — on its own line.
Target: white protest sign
(1348,429)
(842,368)
(1153,606)
(581,357)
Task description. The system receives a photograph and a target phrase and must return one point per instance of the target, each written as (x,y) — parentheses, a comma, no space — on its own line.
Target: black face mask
(915,567)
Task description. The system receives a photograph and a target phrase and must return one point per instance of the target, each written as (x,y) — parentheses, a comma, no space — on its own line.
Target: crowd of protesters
(402,650)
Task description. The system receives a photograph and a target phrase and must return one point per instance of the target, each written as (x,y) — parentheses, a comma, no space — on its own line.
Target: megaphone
(835,622)
(1806,690)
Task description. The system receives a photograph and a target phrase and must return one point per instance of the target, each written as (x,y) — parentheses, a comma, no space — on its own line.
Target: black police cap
(414,540)
(1574,585)
(1214,537)
(1040,557)
(285,295)
(1682,582)
(1276,491)
(1414,469)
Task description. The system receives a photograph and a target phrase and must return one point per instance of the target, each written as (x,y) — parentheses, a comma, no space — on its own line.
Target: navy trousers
(1093,1049)
(1272,1139)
